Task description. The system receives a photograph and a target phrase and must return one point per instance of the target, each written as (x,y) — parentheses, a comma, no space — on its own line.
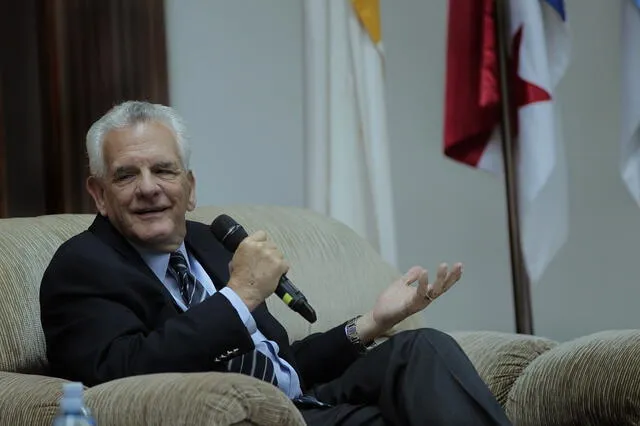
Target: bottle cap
(72,397)
(73,389)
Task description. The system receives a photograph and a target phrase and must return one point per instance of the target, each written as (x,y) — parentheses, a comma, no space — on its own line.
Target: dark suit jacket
(106,315)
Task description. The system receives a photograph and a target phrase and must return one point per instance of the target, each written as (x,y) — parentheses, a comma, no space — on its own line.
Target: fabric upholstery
(590,381)
(28,399)
(200,399)
(26,246)
(500,358)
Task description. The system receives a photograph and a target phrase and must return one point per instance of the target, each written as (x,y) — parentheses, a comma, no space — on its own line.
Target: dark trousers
(420,377)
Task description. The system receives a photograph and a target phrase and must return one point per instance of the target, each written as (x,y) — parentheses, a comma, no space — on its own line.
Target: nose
(147,185)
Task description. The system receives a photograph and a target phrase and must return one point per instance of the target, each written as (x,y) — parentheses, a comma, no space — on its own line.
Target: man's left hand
(401,300)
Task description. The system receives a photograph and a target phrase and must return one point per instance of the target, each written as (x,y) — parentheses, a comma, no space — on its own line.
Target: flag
(539,49)
(347,154)
(630,86)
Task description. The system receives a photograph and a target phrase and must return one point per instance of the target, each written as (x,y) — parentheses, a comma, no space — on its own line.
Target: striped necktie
(188,284)
(255,364)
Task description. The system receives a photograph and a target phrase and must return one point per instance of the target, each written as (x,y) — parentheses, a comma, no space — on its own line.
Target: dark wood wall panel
(21,108)
(3,160)
(76,58)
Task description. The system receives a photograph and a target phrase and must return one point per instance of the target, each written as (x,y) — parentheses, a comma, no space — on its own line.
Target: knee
(428,337)
(426,332)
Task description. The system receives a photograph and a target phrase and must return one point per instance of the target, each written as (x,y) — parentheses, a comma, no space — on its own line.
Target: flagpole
(519,276)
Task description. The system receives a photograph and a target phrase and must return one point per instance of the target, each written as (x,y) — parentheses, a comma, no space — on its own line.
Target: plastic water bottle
(72,410)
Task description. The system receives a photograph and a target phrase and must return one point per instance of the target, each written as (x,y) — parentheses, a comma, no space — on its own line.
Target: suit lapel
(102,228)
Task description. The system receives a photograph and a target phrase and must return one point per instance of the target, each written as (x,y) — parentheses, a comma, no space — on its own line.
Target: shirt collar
(157,261)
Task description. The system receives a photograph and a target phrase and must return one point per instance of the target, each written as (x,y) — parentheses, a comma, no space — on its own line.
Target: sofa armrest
(194,399)
(500,358)
(28,399)
(592,380)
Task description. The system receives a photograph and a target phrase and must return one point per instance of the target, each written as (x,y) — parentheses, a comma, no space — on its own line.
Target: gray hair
(127,114)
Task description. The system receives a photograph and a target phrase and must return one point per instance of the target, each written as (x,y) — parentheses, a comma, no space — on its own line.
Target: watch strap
(351,331)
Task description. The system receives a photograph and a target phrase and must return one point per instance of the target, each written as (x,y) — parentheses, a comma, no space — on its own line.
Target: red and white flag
(539,48)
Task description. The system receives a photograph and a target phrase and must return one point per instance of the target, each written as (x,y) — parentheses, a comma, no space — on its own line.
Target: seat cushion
(198,399)
(28,399)
(590,381)
(500,358)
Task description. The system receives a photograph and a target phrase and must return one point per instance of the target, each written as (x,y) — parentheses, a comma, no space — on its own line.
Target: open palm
(401,300)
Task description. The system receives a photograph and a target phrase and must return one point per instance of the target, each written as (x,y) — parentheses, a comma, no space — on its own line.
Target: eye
(123,177)
(166,172)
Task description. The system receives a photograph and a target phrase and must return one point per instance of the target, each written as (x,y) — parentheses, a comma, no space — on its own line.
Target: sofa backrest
(340,273)
(26,247)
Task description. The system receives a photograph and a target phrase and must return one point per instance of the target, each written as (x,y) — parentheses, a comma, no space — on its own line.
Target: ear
(95,188)
(191,179)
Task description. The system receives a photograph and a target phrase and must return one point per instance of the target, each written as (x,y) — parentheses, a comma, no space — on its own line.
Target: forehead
(140,144)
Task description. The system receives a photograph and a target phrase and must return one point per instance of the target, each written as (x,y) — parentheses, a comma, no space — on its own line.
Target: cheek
(119,201)
(178,194)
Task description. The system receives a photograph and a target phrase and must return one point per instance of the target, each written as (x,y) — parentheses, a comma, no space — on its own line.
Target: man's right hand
(256,268)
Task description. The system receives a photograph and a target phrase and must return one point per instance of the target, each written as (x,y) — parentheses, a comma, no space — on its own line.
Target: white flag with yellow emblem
(348,171)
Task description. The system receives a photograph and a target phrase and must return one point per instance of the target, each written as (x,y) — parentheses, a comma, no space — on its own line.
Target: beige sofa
(594,380)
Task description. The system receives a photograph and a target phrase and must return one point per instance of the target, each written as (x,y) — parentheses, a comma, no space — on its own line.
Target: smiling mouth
(150,212)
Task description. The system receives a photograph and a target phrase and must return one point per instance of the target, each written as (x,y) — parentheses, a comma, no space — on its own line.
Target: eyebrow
(165,165)
(124,170)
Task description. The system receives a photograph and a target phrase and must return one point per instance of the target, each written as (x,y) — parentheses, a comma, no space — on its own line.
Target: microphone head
(229,232)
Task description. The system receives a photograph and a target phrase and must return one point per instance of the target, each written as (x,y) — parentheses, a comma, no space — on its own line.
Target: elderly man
(145,291)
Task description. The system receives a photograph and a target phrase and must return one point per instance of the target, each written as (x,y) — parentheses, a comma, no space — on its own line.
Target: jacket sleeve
(322,357)
(94,334)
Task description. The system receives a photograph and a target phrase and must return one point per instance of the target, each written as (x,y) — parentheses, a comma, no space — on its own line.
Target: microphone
(230,233)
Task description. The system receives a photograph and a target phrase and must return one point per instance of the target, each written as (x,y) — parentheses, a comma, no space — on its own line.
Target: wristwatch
(352,335)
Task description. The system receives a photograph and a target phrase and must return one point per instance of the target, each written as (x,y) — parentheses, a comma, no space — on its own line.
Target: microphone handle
(294,298)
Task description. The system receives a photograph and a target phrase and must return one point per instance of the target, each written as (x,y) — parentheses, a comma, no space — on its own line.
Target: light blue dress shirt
(288,380)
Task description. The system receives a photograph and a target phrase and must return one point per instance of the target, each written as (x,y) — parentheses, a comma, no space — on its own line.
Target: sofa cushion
(28,399)
(589,381)
(500,358)
(27,245)
(196,399)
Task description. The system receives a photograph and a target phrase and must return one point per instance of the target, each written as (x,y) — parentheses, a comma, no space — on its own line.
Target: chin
(158,237)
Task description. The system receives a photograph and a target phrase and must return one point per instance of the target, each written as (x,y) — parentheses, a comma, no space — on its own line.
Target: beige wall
(236,74)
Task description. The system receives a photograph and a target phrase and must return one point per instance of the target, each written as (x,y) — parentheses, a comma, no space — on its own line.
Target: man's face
(145,192)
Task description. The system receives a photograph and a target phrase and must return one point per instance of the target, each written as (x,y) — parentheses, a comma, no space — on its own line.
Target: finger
(423,283)
(275,253)
(412,274)
(454,276)
(259,236)
(441,278)
(269,245)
